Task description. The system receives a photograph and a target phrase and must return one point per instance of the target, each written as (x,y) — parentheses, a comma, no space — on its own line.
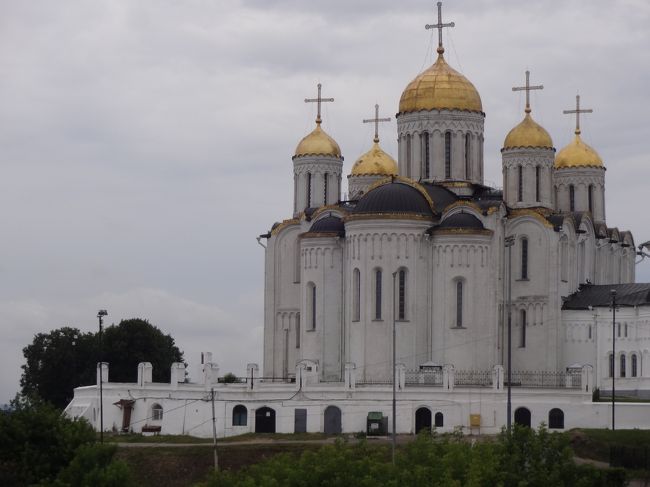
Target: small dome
(329,224)
(375,162)
(394,197)
(318,143)
(462,220)
(577,154)
(528,134)
(440,87)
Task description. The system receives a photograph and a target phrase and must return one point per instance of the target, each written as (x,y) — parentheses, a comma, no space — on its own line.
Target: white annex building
(423,256)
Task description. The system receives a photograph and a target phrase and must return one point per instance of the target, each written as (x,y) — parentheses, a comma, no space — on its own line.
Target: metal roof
(600,296)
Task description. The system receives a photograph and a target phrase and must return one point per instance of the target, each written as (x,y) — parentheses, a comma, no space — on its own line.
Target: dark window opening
(447,155)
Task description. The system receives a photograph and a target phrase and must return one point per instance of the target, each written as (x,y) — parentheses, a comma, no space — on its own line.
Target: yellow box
(475,420)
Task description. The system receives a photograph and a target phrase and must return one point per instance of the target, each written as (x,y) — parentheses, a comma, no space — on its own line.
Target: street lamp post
(100,317)
(613,364)
(509,242)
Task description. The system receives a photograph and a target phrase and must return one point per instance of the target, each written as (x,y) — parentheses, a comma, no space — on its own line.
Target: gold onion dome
(577,154)
(318,143)
(440,87)
(373,162)
(528,134)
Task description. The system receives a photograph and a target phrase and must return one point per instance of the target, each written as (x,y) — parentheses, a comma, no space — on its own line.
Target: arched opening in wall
(408,155)
(572,197)
(239,415)
(378,296)
(522,417)
(524,258)
(265,420)
(468,159)
(326,178)
(295,192)
(308,191)
(447,155)
(623,370)
(426,155)
(459,302)
(332,423)
(356,295)
(590,195)
(520,183)
(634,365)
(422,419)
(556,419)
(611,364)
(401,294)
(439,420)
(297,330)
(156,412)
(537,183)
(523,324)
(311,305)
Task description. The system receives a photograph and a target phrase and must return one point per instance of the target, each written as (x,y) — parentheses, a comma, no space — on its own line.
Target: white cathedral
(425,261)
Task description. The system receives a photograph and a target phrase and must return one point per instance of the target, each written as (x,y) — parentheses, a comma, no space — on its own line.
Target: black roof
(600,296)
(328,224)
(394,197)
(441,196)
(461,220)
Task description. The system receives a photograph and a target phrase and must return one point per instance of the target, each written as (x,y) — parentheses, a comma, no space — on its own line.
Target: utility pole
(613,364)
(509,242)
(100,317)
(214,435)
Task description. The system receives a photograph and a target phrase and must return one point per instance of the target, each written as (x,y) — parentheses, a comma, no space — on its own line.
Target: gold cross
(439,26)
(376,121)
(319,99)
(528,88)
(578,111)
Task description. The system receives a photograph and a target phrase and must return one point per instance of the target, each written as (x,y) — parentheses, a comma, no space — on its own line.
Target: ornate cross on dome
(439,26)
(528,87)
(376,121)
(578,111)
(319,99)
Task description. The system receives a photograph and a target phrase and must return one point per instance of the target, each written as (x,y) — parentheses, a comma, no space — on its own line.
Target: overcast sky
(144,144)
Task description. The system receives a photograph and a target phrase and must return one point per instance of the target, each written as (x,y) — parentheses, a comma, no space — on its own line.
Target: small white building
(423,247)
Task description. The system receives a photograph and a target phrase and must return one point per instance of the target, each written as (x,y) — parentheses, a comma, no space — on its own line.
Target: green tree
(94,466)
(56,363)
(136,340)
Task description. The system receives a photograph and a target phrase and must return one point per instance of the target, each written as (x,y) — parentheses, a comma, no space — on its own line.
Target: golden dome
(440,87)
(318,143)
(577,154)
(528,134)
(375,161)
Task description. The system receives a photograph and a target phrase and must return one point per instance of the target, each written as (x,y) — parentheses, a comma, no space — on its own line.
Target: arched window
(408,155)
(611,365)
(572,197)
(522,319)
(401,295)
(524,258)
(156,412)
(356,295)
(297,330)
(556,419)
(326,177)
(308,198)
(622,374)
(591,197)
(590,332)
(634,372)
(426,154)
(520,183)
(311,305)
(537,182)
(378,294)
(459,303)
(468,161)
(447,155)
(239,415)
(439,420)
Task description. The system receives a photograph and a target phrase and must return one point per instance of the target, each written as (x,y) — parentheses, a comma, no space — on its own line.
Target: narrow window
(401,307)
(427,154)
(618,330)
(356,297)
(537,181)
(468,170)
(308,190)
(591,198)
(325,180)
(625,330)
(524,258)
(156,412)
(611,365)
(520,183)
(295,192)
(556,419)
(447,155)
(408,155)
(522,338)
(572,198)
(459,304)
(297,330)
(622,365)
(239,415)
(311,305)
(589,332)
(439,420)
(634,372)
(378,294)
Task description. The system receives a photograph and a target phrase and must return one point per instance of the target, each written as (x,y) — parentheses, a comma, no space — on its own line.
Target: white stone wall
(320,168)
(529,160)
(581,178)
